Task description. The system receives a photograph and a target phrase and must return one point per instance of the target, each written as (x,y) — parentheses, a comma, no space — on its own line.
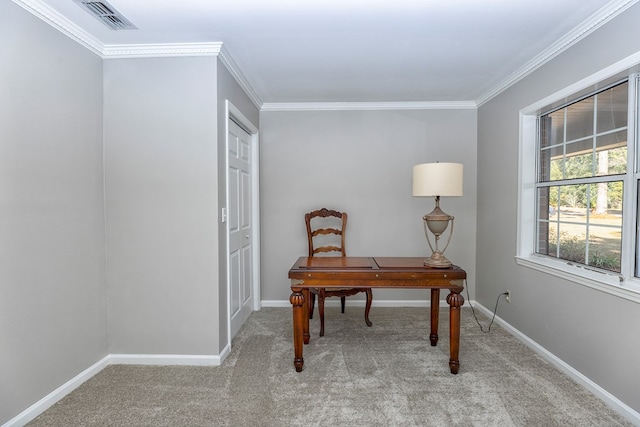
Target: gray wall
(165,185)
(161,205)
(361,162)
(594,332)
(52,273)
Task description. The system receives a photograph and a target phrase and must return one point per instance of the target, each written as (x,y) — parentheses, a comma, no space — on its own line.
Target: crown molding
(62,24)
(345,106)
(65,26)
(184,49)
(157,50)
(235,72)
(595,21)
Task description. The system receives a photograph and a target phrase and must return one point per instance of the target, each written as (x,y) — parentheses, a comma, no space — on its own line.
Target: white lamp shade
(437,179)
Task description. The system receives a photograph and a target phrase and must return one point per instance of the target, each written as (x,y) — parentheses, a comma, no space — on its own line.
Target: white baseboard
(168,359)
(113,359)
(46,402)
(609,399)
(212,360)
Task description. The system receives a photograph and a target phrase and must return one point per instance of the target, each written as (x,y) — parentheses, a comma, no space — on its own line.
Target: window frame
(623,284)
(592,179)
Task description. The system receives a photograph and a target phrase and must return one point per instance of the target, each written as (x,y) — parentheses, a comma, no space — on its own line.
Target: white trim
(630,240)
(603,74)
(163,50)
(526,185)
(159,50)
(152,50)
(347,106)
(56,20)
(232,112)
(595,21)
(609,399)
(61,23)
(234,70)
(50,399)
(201,360)
(600,281)
(169,359)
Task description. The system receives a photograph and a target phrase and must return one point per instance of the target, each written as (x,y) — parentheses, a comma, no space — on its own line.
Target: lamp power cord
(495,309)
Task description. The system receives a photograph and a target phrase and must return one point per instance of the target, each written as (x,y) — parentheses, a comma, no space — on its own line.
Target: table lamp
(437,180)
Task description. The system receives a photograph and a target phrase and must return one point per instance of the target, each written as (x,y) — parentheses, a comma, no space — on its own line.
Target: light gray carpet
(386,375)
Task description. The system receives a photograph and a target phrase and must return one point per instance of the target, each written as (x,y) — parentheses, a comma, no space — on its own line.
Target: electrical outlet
(507,295)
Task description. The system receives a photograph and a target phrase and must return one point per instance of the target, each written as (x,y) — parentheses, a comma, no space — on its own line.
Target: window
(582,162)
(579,199)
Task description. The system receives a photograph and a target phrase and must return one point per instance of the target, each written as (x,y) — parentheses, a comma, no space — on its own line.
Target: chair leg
(312,303)
(368,307)
(321,310)
(342,300)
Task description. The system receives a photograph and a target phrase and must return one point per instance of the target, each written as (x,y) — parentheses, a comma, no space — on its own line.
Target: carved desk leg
(455,301)
(305,324)
(297,302)
(435,313)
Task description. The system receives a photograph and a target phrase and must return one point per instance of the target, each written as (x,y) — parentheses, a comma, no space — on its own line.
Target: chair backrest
(325,231)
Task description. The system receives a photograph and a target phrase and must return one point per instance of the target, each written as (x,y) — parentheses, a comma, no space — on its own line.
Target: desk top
(334,263)
(327,268)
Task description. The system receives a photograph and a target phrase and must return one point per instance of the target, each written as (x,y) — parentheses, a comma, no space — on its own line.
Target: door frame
(233,113)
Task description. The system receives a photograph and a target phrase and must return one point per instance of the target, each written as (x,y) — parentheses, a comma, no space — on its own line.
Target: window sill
(601,281)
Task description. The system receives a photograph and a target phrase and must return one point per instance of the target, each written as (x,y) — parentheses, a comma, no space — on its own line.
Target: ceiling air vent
(107,14)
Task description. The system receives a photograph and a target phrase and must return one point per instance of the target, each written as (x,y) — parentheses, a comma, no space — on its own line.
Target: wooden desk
(378,272)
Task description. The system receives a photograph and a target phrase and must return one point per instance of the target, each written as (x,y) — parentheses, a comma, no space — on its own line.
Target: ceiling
(360,51)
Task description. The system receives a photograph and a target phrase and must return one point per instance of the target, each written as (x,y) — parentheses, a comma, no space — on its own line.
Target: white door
(240,225)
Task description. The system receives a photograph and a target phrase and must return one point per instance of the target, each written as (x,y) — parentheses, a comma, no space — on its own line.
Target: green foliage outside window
(573,248)
(576,196)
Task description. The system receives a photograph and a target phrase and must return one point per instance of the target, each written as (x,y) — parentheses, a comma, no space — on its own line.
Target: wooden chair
(326,235)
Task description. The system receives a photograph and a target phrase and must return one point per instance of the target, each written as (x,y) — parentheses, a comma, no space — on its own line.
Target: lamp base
(437,260)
